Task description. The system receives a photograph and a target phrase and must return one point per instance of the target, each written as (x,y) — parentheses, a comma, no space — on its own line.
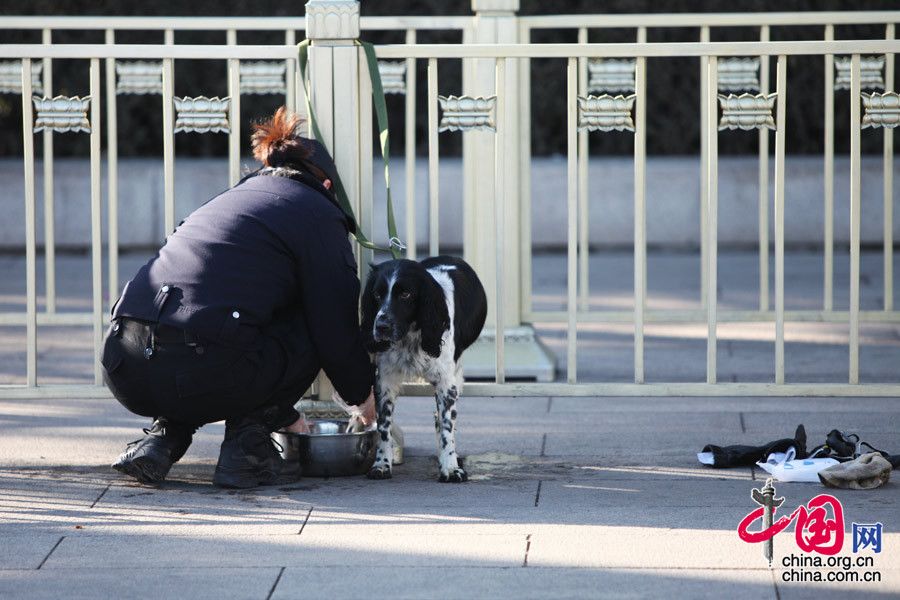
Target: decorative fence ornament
(747,111)
(870,68)
(11,77)
(62,113)
(882,110)
(139,77)
(605,113)
(739,74)
(263,77)
(467,112)
(393,76)
(609,76)
(202,114)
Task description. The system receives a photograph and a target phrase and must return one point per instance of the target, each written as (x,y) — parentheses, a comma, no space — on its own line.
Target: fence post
(495,22)
(334,82)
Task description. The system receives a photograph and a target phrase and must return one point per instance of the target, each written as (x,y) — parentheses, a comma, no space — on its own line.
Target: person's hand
(367,413)
(362,416)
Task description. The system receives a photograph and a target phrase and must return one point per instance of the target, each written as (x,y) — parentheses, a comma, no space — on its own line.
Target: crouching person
(233,318)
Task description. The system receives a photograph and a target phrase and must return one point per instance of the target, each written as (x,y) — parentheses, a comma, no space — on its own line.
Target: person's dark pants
(166,372)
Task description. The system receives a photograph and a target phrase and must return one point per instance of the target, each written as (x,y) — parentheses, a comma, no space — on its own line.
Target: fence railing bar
(854,216)
(433,159)
(828,245)
(889,185)
(712,219)
(583,208)
(458,51)
(764,184)
(525,253)
(699,316)
(640,214)
(572,207)
(629,50)
(168,83)
(469,164)
(290,73)
(220,23)
(501,137)
(112,174)
(49,202)
(299,95)
(30,242)
(780,123)
(704,165)
(234,131)
(321,90)
(96,219)
(366,158)
(346,124)
(739,19)
(409,114)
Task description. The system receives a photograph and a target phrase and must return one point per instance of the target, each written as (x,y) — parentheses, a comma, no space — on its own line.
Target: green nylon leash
(395,246)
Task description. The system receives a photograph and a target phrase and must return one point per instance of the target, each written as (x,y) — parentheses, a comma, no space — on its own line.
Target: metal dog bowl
(326,451)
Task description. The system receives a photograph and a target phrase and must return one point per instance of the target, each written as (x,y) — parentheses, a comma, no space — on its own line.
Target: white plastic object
(784,467)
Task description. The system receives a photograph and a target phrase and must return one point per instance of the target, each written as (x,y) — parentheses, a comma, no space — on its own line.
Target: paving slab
(195,510)
(440,582)
(419,440)
(26,550)
(638,547)
(332,547)
(79,432)
(414,485)
(145,582)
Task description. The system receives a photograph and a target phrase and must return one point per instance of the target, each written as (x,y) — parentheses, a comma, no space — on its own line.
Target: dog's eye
(405,296)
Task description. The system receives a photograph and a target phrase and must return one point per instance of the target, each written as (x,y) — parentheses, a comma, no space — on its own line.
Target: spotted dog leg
(445,422)
(386,390)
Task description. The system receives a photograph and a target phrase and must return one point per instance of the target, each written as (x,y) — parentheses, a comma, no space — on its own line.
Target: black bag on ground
(747,456)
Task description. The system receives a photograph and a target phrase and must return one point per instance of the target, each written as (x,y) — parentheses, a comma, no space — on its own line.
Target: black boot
(149,459)
(248,457)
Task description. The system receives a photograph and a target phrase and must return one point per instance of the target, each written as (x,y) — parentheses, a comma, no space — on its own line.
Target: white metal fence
(585,111)
(744,74)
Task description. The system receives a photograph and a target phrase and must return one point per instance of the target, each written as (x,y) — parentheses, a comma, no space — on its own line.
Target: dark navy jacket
(259,251)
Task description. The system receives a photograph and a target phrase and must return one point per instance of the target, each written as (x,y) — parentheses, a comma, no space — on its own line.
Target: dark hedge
(673,101)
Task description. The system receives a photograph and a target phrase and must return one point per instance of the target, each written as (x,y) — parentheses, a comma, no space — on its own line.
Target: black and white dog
(418,317)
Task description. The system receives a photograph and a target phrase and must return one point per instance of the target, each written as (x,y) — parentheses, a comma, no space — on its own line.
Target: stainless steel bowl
(326,452)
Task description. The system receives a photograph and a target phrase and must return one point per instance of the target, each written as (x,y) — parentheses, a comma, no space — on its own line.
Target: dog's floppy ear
(432,315)
(369,310)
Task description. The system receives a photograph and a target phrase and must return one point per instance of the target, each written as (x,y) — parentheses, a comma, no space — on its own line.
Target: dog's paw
(379,473)
(457,475)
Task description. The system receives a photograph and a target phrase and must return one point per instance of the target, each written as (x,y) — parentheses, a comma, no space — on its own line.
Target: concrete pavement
(570,498)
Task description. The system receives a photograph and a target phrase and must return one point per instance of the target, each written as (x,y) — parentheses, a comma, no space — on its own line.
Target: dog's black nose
(382,329)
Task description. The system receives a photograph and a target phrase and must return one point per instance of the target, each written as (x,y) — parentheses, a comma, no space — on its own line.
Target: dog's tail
(276,142)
